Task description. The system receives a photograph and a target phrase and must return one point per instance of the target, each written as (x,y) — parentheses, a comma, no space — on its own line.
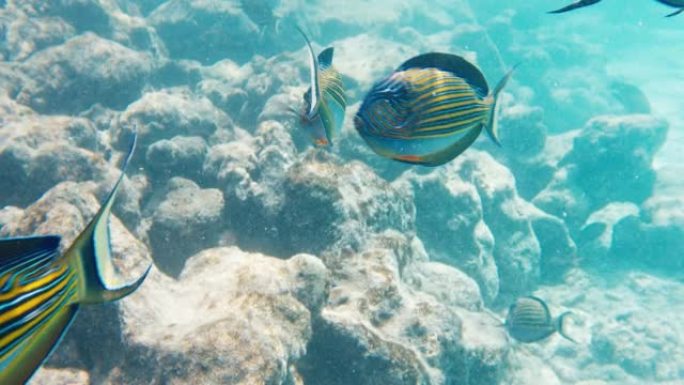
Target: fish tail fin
(675,13)
(560,326)
(492,126)
(91,254)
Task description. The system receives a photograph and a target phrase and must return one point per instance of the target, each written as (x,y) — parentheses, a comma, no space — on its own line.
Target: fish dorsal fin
(92,256)
(325,58)
(543,304)
(450,63)
(315,95)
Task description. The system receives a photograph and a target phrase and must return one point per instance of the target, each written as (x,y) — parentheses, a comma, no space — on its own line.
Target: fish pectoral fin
(576,5)
(675,13)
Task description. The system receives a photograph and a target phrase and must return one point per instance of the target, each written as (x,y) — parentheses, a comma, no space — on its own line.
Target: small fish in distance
(529,320)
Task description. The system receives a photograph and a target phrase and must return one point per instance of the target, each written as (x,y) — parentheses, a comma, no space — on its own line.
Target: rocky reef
(277,263)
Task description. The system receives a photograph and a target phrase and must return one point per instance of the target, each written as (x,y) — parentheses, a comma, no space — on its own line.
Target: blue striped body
(427,112)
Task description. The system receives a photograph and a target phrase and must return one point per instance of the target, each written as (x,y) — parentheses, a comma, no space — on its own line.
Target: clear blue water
(409,270)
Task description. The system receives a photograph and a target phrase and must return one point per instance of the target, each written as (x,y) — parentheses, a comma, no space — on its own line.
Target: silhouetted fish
(631,97)
(674,4)
(583,3)
(325,100)
(41,291)
(576,5)
(429,110)
(529,320)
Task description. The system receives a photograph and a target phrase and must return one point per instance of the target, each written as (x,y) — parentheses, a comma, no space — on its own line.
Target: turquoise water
(277,262)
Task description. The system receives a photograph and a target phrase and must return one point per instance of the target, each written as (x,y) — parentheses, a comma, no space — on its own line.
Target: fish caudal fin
(492,126)
(675,13)
(560,326)
(91,254)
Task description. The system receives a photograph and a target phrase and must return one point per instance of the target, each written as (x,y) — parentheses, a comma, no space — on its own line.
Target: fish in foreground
(583,3)
(529,320)
(325,101)
(41,291)
(429,110)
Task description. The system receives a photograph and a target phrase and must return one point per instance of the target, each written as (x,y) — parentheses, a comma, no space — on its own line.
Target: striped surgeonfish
(41,290)
(679,4)
(429,110)
(325,100)
(529,320)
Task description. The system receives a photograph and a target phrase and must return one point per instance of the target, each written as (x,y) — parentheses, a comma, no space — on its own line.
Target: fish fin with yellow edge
(91,255)
(561,324)
(492,125)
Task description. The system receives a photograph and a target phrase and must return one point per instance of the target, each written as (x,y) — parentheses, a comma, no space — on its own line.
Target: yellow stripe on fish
(429,110)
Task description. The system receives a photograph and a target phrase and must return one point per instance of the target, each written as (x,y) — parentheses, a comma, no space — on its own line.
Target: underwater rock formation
(173,112)
(182,222)
(69,78)
(61,377)
(487,229)
(389,319)
(610,160)
(247,325)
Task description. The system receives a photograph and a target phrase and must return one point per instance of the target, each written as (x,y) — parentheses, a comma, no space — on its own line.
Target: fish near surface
(429,110)
(529,320)
(584,3)
(41,291)
(325,101)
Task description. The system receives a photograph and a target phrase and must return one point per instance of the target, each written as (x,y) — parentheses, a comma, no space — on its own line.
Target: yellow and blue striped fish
(584,3)
(41,290)
(428,111)
(325,100)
